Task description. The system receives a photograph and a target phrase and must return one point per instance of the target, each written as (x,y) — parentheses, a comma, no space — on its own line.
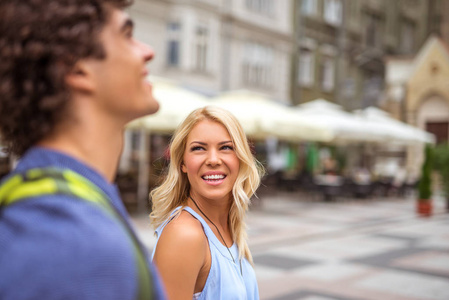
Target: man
(71,77)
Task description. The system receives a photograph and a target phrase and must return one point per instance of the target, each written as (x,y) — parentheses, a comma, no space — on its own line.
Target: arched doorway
(433,116)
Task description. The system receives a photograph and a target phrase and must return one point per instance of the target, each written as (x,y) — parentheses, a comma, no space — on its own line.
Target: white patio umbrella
(346,127)
(175,103)
(399,132)
(262,117)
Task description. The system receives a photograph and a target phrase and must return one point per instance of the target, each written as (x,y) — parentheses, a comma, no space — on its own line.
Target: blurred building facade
(417,88)
(341,45)
(212,46)
(439,22)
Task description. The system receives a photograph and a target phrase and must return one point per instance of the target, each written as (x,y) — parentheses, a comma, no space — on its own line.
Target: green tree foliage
(425,184)
(442,165)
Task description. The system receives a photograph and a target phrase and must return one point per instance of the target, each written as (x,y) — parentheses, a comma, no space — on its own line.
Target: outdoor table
(329,185)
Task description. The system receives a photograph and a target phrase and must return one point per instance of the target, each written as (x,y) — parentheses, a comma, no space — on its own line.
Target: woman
(199,210)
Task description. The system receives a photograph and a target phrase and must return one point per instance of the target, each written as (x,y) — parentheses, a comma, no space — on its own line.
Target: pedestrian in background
(199,210)
(71,77)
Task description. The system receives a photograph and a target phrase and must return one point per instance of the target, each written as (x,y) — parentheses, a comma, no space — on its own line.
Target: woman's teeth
(213,177)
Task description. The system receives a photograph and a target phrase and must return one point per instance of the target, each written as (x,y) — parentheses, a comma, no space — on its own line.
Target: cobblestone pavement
(348,249)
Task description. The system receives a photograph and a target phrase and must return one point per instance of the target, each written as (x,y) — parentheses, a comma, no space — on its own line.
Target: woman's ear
(183,168)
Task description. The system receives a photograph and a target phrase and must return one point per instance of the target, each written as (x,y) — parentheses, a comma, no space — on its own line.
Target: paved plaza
(307,249)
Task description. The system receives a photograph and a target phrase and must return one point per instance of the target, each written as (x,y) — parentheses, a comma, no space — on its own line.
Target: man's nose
(147,51)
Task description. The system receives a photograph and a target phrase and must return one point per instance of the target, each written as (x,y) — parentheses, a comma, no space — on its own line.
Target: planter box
(424,208)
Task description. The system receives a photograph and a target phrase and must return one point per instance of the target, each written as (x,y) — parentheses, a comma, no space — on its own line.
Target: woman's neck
(215,212)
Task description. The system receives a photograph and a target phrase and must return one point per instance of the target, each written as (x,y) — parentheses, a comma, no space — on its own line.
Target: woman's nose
(213,158)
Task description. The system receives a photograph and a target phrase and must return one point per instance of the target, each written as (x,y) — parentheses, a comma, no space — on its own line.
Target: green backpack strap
(51,181)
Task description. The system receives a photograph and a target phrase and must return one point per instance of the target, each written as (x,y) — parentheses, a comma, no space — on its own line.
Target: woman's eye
(196,148)
(227,147)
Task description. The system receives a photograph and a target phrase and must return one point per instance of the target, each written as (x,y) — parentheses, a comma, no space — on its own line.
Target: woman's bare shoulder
(181,254)
(184,230)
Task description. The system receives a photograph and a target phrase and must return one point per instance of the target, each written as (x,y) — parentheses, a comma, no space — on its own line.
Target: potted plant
(442,167)
(424,203)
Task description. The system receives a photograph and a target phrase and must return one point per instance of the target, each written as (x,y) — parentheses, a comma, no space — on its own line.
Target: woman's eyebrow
(197,142)
(203,143)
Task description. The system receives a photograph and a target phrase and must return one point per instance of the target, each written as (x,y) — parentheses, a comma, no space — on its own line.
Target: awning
(175,104)
(261,117)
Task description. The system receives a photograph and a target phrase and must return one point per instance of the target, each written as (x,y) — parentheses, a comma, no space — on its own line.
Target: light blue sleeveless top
(226,280)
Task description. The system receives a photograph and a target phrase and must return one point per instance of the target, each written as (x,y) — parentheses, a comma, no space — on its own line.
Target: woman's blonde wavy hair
(174,190)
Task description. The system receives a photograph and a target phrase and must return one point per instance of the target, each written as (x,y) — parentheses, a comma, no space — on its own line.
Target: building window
(327,74)
(353,8)
(373,87)
(260,6)
(309,7)
(257,65)
(373,30)
(173,47)
(306,67)
(201,46)
(333,12)
(407,39)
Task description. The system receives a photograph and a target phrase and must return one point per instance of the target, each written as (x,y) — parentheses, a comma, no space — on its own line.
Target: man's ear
(80,78)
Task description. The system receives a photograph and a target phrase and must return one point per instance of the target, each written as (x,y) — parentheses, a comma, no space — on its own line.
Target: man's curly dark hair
(40,42)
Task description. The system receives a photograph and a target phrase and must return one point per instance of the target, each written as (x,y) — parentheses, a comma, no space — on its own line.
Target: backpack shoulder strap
(49,181)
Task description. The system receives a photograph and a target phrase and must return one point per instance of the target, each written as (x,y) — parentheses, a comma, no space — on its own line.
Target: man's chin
(153,107)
